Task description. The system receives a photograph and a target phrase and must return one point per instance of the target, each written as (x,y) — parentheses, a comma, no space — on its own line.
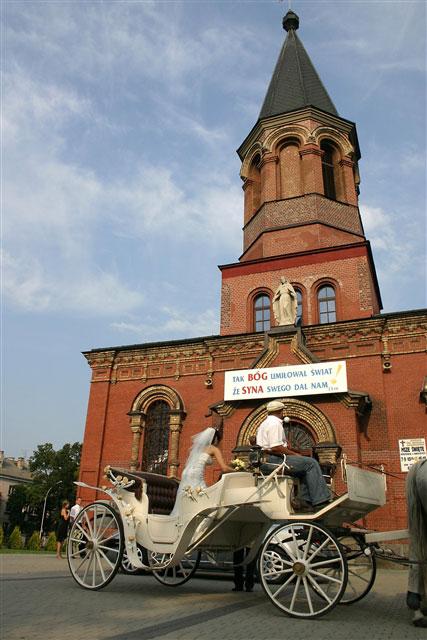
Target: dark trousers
(313,485)
(244,576)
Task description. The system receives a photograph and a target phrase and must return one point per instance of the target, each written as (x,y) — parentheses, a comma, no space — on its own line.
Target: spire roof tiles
(295,83)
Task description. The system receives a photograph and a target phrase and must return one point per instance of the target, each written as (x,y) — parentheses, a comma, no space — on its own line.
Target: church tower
(301,216)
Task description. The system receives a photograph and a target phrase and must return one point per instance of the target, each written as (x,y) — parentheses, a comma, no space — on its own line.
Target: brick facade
(301,220)
(184,367)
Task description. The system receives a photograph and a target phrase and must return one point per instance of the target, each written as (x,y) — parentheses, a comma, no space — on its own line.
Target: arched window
(298,436)
(290,170)
(262,313)
(156,438)
(328,170)
(327,304)
(255,176)
(299,306)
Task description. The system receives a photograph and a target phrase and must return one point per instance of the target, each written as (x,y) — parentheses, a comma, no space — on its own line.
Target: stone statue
(285,303)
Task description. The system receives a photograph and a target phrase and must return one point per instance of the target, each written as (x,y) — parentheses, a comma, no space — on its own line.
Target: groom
(271,438)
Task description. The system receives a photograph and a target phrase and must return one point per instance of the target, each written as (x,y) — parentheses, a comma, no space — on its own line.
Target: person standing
(75,510)
(244,575)
(416,499)
(271,438)
(62,528)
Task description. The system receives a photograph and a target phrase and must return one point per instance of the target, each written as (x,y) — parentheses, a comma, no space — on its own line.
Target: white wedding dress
(193,475)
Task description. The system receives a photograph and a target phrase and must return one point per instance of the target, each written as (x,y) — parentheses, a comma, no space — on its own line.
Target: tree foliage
(15,539)
(17,506)
(51,542)
(53,473)
(34,542)
(49,467)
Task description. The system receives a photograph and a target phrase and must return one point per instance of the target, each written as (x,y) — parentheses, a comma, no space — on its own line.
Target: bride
(203,452)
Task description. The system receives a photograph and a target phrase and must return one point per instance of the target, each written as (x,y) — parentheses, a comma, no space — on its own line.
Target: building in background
(300,172)
(12,472)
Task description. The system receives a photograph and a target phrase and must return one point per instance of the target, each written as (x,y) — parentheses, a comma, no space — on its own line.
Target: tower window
(299,306)
(262,313)
(327,305)
(328,171)
(156,440)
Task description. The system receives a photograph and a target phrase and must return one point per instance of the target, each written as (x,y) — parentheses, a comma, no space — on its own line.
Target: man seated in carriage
(271,438)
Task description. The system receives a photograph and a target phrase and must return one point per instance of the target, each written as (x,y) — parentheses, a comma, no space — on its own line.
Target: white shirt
(271,433)
(74,512)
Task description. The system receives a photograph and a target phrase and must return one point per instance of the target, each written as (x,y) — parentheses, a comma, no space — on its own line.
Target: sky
(120,187)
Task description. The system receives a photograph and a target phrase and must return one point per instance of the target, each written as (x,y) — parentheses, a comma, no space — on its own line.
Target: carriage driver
(271,438)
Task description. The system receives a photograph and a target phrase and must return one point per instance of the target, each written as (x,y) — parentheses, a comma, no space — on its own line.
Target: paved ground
(42,602)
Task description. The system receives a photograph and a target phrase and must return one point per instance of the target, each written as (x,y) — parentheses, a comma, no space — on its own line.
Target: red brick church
(301,221)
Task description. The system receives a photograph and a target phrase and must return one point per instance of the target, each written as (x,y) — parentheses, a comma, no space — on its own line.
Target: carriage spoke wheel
(95,546)
(174,576)
(362,568)
(302,569)
(126,565)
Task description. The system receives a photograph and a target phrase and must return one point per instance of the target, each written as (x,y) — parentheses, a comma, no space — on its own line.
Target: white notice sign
(276,382)
(411,451)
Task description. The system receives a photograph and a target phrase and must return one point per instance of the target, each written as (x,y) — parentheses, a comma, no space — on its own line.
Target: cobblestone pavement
(42,602)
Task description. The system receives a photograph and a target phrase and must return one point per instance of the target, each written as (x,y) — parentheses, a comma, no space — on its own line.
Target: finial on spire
(290,21)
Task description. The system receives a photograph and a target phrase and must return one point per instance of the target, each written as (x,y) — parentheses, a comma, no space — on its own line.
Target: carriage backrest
(161,490)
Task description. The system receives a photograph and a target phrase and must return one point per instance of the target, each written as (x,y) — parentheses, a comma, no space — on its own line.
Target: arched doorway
(307,423)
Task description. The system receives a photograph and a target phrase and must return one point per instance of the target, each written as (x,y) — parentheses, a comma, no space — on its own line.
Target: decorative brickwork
(225,305)
(365,293)
(295,410)
(300,211)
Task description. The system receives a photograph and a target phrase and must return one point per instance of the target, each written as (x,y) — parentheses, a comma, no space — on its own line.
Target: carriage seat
(258,463)
(161,490)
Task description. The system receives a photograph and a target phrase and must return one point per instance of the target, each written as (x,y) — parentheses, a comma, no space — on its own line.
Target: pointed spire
(295,83)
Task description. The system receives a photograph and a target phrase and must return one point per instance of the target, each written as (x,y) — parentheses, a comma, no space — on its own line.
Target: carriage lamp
(327,453)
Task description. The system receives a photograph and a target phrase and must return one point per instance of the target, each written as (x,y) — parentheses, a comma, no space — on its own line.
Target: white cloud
(173,323)
(154,203)
(57,213)
(382,231)
(29,287)
(396,242)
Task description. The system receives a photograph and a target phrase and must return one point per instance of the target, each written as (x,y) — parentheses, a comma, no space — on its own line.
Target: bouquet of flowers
(238,464)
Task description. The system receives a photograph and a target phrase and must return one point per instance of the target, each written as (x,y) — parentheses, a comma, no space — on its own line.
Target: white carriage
(304,558)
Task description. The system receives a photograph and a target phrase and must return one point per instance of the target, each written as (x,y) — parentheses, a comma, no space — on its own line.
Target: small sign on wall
(411,451)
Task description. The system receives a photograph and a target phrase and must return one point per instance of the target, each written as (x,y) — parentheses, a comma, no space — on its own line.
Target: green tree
(18,505)
(1,537)
(15,539)
(53,472)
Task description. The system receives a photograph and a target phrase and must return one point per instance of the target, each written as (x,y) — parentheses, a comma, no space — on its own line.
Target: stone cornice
(390,325)
(308,113)
(382,336)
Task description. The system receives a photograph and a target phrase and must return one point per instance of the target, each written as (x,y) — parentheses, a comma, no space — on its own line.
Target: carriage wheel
(295,564)
(126,566)
(362,568)
(95,546)
(174,576)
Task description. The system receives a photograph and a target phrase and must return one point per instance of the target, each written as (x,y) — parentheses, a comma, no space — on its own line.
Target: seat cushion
(161,490)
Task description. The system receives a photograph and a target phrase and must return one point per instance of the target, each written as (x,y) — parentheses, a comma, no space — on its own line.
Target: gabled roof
(295,83)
